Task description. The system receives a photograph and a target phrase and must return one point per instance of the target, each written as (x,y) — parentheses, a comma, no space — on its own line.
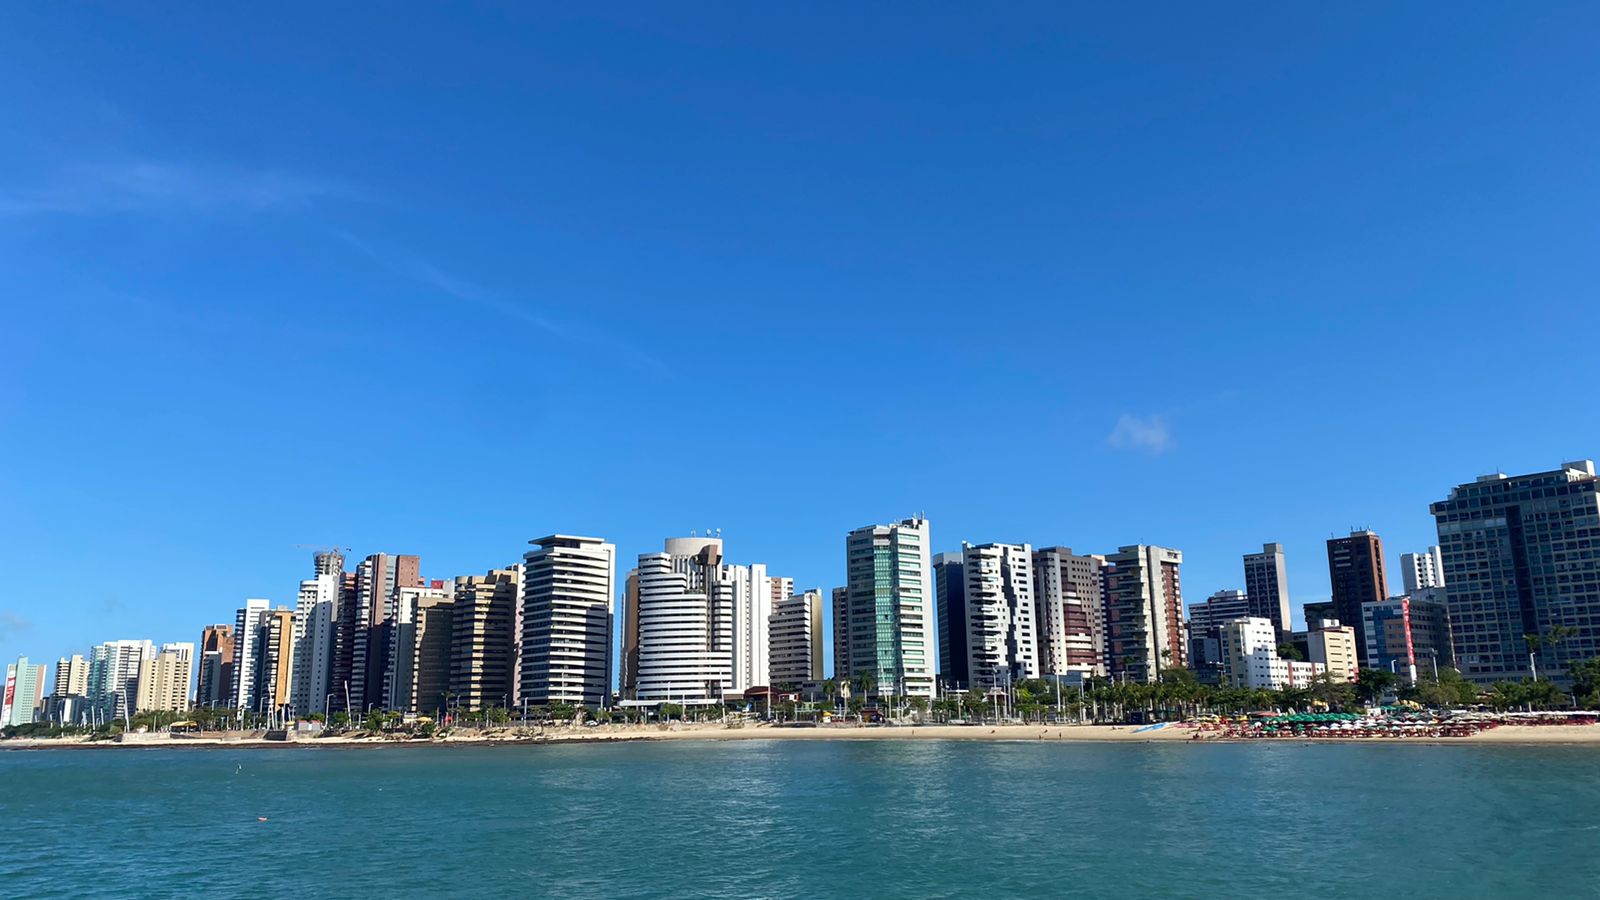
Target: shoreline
(1504,735)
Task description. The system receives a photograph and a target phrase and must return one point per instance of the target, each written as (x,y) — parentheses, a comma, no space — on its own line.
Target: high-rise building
(685,624)
(841,633)
(1355,567)
(568,583)
(214,685)
(1069,594)
(483,639)
(752,614)
(114,677)
(1422,570)
(1332,646)
(24,693)
(1266,584)
(1432,642)
(164,680)
(950,593)
(1001,643)
(341,673)
(379,578)
(796,640)
(1409,635)
(1517,562)
(274,634)
(431,657)
(1220,607)
(246,653)
(1206,619)
(315,640)
(328,562)
(72,677)
(889,607)
(628,674)
(1144,612)
(400,690)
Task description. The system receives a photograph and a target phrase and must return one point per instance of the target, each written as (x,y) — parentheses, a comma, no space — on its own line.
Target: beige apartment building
(1334,646)
(163,684)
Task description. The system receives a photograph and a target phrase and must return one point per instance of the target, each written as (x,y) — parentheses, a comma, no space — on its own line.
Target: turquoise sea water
(805,819)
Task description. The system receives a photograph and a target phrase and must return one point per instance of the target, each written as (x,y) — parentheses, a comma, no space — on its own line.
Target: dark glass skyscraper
(950,584)
(1521,557)
(1355,567)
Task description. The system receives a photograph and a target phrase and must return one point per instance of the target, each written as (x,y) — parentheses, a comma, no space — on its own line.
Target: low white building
(1250,658)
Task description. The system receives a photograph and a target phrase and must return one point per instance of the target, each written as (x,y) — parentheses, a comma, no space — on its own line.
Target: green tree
(1324,689)
(1372,684)
(1585,677)
(1504,695)
(1552,638)
(1290,651)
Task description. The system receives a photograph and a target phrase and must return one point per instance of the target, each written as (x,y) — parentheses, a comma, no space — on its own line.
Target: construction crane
(322,548)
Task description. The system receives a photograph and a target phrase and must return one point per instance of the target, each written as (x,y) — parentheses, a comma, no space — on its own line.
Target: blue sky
(442,281)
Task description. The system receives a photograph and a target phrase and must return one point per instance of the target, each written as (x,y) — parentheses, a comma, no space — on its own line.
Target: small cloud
(154,187)
(13,622)
(1148,434)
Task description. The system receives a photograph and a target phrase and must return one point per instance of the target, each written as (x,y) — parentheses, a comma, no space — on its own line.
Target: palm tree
(1537,643)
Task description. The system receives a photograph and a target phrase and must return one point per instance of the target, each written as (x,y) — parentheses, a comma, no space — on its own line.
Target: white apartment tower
(1001,645)
(1422,570)
(841,633)
(568,583)
(314,625)
(888,607)
(752,612)
(114,675)
(247,638)
(685,621)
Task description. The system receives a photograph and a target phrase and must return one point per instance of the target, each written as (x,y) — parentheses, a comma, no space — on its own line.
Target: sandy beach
(1505,735)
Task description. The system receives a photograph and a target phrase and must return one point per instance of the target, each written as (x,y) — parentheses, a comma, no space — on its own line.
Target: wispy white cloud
(12,622)
(1147,434)
(424,272)
(159,187)
(421,270)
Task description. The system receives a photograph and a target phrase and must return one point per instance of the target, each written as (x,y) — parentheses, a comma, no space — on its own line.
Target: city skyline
(1191,598)
(1515,572)
(1157,256)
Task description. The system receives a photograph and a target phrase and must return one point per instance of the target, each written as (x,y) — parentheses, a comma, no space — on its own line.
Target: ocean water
(805,819)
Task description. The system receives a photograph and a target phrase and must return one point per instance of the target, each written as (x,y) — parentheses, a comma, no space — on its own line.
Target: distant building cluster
(1513,586)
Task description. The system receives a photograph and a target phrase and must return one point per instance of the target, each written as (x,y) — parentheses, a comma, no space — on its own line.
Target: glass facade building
(1521,557)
